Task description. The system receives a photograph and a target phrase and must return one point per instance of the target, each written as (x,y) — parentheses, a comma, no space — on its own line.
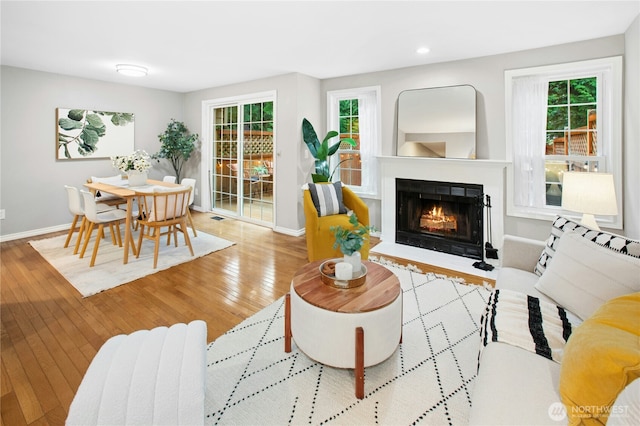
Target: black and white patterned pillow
(327,198)
(611,241)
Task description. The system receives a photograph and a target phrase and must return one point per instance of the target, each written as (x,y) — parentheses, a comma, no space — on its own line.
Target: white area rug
(428,380)
(109,271)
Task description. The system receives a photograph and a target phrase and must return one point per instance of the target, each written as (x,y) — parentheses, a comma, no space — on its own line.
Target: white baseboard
(34,232)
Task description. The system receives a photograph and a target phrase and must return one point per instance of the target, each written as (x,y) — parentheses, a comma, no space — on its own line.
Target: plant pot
(355,260)
(137,178)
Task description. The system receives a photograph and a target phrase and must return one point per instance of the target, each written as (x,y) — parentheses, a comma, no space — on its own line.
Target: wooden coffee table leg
(359,370)
(287,323)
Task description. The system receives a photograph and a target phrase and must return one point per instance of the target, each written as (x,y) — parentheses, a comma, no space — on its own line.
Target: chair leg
(157,248)
(118,234)
(96,245)
(83,226)
(71,230)
(185,231)
(87,238)
(140,237)
(195,234)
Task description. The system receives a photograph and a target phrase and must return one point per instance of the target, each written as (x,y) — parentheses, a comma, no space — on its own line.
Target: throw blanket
(525,321)
(147,377)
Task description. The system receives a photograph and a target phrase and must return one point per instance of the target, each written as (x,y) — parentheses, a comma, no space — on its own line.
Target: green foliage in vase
(176,145)
(350,240)
(91,127)
(321,151)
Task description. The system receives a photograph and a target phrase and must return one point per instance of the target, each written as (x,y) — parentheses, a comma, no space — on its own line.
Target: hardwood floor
(50,333)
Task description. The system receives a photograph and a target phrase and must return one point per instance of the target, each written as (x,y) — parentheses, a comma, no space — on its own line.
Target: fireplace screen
(441,216)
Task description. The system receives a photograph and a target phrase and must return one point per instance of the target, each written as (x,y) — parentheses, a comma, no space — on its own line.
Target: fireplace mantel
(488,173)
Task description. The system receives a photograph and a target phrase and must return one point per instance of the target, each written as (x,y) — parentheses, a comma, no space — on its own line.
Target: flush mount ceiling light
(422,50)
(131,70)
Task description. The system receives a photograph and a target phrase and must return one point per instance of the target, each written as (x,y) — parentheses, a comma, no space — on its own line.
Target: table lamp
(590,194)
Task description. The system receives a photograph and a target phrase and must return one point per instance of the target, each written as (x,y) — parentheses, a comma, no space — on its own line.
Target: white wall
(32,180)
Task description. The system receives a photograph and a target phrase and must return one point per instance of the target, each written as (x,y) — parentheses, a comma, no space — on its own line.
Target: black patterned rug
(429,379)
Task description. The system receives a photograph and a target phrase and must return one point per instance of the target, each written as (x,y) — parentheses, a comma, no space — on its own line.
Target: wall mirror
(437,122)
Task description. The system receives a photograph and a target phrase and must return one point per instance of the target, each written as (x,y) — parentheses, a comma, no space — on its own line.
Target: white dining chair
(77,210)
(192,183)
(169,179)
(113,218)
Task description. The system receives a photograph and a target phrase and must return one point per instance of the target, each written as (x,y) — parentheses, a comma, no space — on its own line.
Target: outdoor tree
(176,145)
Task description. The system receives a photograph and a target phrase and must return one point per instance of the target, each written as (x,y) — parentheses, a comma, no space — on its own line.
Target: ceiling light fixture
(131,70)
(422,50)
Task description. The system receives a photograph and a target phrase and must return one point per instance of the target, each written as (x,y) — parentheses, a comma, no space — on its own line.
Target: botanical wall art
(82,133)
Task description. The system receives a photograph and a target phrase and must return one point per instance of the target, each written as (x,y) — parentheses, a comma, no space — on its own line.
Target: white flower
(138,160)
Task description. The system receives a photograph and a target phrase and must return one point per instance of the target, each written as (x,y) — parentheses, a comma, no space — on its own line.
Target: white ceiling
(191,45)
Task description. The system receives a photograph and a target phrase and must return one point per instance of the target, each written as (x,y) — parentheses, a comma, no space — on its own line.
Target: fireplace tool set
(490,251)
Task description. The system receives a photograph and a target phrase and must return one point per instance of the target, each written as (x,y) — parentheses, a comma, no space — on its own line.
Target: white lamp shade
(590,193)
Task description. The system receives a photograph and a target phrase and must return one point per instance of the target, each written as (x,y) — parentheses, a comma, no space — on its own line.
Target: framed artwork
(88,134)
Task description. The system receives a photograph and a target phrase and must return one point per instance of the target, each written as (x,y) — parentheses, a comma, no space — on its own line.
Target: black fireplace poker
(490,251)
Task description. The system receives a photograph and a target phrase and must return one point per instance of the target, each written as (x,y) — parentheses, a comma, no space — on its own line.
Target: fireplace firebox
(441,216)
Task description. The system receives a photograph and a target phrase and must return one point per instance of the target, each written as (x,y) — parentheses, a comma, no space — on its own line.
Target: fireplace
(440,216)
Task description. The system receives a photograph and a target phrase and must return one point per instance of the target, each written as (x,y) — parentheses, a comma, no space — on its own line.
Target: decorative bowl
(331,280)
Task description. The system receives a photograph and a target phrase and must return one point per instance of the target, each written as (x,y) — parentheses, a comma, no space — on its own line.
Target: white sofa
(505,393)
(516,386)
(149,377)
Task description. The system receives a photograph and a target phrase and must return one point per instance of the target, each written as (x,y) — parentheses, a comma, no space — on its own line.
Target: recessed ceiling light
(131,70)
(422,50)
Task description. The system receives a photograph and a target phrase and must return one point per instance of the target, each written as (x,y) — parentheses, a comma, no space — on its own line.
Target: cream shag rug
(429,379)
(109,271)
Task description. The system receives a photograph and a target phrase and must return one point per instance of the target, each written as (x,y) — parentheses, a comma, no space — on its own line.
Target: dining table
(129,193)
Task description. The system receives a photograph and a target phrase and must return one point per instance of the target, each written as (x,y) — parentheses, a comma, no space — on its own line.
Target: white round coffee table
(345,328)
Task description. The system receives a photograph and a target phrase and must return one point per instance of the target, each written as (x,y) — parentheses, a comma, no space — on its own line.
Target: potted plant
(176,145)
(350,241)
(135,165)
(322,151)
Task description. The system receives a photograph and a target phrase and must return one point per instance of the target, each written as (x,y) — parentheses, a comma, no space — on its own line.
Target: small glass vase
(355,260)
(137,178)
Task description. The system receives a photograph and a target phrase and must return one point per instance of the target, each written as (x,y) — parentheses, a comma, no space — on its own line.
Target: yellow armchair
(320,239)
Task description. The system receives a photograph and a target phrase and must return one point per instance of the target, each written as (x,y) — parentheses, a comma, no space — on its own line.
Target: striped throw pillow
(327,198)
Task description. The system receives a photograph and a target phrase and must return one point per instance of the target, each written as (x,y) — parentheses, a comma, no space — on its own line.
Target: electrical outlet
(2,214)
(196,192)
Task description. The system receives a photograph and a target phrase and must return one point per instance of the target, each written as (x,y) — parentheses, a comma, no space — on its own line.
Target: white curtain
(369,140)
(529,110)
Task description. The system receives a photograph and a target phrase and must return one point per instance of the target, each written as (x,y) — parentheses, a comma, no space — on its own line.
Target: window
(355,113)
(562,118)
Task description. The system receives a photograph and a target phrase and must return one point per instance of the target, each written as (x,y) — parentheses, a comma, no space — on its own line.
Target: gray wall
(631,150)
(297,96)
(486,74)
(31,187)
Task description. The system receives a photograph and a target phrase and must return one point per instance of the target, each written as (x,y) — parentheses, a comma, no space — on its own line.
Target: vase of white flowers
(134,165)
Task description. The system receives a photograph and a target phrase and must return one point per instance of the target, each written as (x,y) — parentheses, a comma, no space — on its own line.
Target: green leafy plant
(321,151)
(91,127)
(176,145)
(350,240)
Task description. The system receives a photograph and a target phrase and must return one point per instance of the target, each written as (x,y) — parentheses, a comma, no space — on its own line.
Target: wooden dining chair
(163,208)
(113,218)
(169,179)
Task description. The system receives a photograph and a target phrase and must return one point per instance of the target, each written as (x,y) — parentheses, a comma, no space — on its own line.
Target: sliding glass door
(242,159)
